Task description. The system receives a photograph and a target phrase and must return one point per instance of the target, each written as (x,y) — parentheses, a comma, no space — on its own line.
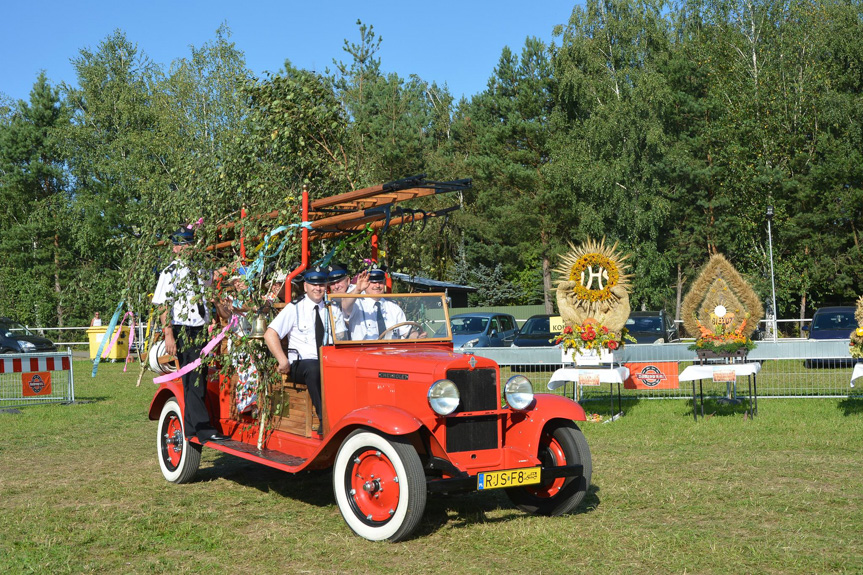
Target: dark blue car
(16,338)
(831,323)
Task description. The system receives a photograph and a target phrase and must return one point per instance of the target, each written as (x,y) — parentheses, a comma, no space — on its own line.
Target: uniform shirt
(297,320)
(185,294)
(364,319)
(339,303)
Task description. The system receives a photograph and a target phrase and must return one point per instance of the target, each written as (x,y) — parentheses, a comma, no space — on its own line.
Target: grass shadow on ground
(851,406)
(461,510)
(311,487)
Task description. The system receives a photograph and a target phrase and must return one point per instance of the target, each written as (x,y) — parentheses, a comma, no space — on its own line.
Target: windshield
(9,327)
(366,318)
(836,320)
(468,325)
(536,325)
(644,324)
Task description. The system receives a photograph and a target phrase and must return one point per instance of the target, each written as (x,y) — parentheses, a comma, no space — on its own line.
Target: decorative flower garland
(592,260)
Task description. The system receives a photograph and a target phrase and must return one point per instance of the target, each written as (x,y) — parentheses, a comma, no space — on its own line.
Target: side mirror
(805,328)
(493,333)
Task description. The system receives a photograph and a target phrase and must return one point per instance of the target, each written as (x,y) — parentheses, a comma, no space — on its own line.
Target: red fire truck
(403,416)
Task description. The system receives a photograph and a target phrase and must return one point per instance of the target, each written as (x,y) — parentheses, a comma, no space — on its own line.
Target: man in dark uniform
(185,314)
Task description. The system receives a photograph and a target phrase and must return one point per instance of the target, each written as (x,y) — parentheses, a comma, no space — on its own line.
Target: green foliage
(668,127)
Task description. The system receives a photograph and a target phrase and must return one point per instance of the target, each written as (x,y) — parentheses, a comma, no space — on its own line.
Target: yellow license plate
(508,478)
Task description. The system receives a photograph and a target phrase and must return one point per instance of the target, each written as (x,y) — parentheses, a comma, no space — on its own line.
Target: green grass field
(81,492)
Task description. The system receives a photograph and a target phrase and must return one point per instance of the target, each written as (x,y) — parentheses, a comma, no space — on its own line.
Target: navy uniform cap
(315,276)
(183,236)
(377,275)
(337,271)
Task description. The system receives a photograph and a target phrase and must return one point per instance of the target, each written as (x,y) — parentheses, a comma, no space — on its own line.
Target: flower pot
(587,357)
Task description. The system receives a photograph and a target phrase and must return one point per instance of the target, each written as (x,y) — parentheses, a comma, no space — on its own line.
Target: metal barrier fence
(789,368)
(35,378)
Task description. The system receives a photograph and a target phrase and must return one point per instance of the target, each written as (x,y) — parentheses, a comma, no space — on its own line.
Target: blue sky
(445,41)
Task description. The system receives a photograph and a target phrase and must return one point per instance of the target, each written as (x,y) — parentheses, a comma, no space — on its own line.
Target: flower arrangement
(591,336)
(856,346)
(719,340)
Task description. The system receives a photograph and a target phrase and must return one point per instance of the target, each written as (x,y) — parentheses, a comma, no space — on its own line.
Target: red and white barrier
(26,379)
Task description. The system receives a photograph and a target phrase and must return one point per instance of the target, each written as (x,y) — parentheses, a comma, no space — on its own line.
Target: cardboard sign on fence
(652,375)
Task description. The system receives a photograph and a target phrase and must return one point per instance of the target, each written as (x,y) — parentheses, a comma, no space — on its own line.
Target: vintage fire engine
(403,416)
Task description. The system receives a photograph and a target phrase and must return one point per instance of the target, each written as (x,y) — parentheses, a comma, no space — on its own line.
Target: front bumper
(467,482)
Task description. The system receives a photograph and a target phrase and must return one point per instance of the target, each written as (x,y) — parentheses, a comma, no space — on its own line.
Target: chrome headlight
(26,346)
(471,343)
(519,392)
(443,397)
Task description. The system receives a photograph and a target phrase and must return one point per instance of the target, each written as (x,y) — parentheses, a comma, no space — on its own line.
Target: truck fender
(165,393)
(384,418)
(556,407)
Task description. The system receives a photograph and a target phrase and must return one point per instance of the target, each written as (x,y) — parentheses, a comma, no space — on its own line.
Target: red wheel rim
(172,441)
(373,486)
(551,454)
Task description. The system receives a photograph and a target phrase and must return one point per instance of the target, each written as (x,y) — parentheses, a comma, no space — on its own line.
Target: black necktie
(319,327)
(382,325)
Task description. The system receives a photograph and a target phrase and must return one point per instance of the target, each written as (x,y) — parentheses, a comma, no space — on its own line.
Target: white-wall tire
(178,459)
(379,485)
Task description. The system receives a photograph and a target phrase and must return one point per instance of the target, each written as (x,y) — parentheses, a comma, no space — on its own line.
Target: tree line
(669,127)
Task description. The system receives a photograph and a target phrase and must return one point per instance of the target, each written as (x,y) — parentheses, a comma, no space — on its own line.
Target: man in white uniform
(370,317)
(185,312)
(306,324)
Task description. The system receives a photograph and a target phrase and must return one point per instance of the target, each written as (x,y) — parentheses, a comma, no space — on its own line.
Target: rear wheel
(560,444)
(178,459)
(380,485)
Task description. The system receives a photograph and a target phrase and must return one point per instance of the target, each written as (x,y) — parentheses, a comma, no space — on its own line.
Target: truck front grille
(471,433)
(478,392)
(477,388)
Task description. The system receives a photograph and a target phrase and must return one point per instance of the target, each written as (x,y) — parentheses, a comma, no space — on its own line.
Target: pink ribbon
(195,364)
(131,341)
(111,345)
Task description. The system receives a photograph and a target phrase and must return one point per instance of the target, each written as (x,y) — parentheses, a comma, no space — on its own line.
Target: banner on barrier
(36,383)
(652,375)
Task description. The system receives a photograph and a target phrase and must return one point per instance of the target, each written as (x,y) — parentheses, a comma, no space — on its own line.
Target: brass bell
(259,326)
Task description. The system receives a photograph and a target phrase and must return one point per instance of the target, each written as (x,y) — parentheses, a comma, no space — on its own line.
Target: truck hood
(400,361)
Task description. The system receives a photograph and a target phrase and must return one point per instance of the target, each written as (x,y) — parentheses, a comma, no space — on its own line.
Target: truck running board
(268,457)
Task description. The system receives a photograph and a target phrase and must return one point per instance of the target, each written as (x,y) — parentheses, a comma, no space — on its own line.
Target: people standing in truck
(184,315)
(233,305)
(306,325)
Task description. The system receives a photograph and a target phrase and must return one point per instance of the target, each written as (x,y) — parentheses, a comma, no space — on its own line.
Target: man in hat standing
(306,324)
(185,313)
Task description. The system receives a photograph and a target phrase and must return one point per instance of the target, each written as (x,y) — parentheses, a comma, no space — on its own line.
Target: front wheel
(178,458)
(560,444)
(379,485)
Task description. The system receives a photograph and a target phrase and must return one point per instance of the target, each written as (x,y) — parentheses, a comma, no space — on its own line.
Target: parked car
(16,338)
(835,322)
(652,327)
(483,330)
(536,332)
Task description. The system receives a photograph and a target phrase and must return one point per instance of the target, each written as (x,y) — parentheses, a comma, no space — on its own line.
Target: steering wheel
(413,325)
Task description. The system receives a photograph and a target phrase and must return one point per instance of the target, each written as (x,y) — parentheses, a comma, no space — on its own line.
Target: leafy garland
(594,260)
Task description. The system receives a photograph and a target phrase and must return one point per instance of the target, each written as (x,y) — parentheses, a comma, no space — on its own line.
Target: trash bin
(97,334)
